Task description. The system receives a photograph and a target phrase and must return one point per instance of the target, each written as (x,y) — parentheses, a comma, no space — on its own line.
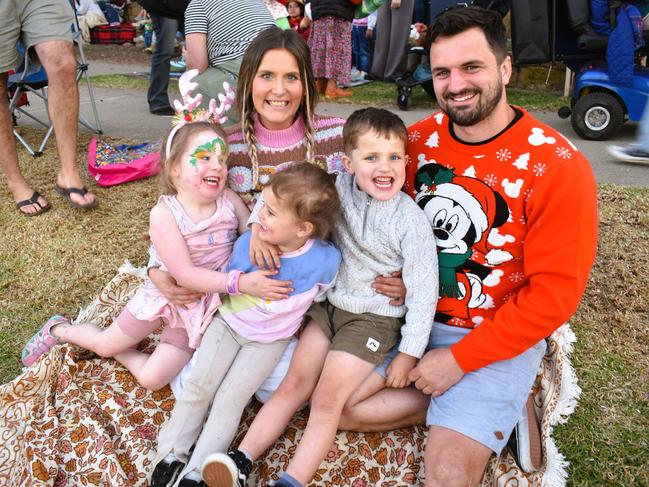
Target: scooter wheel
(597,116)
(403,99)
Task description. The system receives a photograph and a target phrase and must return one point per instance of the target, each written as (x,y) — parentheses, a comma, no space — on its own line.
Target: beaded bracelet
(232,283)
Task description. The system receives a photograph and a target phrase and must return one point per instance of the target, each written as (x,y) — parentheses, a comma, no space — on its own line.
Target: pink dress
(210,243)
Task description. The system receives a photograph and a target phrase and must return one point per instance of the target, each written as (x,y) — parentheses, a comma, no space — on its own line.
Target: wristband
(232,283)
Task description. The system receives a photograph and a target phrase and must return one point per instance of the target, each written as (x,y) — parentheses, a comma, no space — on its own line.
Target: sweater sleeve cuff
(465,359)
(412,347)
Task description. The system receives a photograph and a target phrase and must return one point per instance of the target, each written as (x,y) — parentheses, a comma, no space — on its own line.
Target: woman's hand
(398,370)
(262,254)
(391,286)
(259,284)
(394,4)
(167,285)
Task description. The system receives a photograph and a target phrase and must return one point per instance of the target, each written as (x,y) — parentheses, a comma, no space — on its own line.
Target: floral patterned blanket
(75,419)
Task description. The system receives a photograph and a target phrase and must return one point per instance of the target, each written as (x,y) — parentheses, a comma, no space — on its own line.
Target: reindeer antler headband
(187,111)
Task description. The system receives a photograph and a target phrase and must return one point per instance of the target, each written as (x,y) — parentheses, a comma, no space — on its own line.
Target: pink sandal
(42,342)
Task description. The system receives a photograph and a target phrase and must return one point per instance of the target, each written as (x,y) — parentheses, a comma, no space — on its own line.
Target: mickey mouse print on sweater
(477,198)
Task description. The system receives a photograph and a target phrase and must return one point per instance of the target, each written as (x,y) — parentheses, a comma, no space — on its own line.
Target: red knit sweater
(515,220)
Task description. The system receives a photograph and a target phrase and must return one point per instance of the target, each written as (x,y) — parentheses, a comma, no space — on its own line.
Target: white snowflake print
(522,220)
(527,194)
(517,277)
(503,155)
(539,169)
(491,179)
(414,136)
(507,297)
(563,152)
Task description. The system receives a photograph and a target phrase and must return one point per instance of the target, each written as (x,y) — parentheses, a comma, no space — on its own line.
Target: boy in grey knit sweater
(382,231)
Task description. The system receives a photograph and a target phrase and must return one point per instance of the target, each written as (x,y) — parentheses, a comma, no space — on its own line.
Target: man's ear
(305,229)
(506,69)
(347,162)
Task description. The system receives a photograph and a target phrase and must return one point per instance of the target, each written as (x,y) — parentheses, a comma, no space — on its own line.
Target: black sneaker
(185,482)
(226,470)
(525,440)
(163,111)
(165,474)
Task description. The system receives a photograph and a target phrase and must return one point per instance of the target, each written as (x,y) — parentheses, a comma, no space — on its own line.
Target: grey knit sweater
(378,238)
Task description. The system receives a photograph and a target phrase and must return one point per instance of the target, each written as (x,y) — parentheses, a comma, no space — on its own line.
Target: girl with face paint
(193,228)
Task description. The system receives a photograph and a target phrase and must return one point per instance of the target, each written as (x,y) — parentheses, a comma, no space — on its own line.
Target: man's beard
(465,117)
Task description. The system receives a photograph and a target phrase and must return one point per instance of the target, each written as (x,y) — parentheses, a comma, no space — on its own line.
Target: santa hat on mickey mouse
(474,196)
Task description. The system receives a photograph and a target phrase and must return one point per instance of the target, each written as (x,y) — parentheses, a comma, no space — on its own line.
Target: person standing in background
(331,49)
(392,27)
(167,18)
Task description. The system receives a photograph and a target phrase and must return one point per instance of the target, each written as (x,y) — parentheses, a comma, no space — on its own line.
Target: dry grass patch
(57,262)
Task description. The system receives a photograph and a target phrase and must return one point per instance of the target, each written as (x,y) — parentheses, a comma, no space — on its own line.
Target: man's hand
(436,372)
(167,285)
(391,286)
(398,370)
(394,4)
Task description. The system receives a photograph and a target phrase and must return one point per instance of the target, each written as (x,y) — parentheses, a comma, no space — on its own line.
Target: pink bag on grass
(111,165)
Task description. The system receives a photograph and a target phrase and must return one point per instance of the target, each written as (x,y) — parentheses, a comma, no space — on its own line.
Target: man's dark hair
(381,121)
(457,20)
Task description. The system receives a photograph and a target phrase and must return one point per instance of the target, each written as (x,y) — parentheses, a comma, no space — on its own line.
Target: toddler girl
(193,228)
(249,335)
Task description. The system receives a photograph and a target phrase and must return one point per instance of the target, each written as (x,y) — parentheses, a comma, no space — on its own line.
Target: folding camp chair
(31,78)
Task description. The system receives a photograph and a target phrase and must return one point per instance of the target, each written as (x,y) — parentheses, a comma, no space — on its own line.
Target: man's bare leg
(373,407)
(63,101)
(9,158)
(452,459)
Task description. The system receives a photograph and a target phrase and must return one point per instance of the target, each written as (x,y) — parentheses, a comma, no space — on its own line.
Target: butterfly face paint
(213,147)
(203,170)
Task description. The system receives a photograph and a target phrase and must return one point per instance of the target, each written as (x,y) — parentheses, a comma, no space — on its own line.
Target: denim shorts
(485,404)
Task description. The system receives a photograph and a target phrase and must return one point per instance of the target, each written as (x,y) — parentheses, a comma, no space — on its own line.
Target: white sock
(170,458)
(194,475)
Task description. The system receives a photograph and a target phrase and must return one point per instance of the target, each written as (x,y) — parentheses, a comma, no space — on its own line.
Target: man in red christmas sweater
(514,211)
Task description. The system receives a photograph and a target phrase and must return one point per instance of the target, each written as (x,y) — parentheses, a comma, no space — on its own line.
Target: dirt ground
(117,53)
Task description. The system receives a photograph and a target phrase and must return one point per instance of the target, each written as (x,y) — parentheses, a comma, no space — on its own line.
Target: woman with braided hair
(276,99)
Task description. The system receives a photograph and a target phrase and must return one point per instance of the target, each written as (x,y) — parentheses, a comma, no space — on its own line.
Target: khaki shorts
(210,84)
(365,335)
(32,22)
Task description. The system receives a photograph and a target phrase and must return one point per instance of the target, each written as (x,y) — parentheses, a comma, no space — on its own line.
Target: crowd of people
(285,256)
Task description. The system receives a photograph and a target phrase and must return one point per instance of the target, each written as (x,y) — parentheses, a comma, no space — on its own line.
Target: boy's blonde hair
(311,194)
(178,147)
(378,120)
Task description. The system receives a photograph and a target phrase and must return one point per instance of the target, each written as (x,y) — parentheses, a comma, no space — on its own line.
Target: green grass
(57,262)
(374,94)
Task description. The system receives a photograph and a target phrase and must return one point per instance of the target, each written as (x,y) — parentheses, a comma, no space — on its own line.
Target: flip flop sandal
(66,192)
(42,342)
(33,201)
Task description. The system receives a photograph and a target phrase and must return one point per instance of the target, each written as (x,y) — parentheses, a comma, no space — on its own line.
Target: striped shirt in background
(230,25)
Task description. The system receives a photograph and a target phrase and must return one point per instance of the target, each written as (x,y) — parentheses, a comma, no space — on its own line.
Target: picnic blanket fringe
(556,472)
(76,419)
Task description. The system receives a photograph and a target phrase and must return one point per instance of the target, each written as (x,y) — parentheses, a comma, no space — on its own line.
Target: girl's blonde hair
(275,38)
(310,193)
(178,147)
